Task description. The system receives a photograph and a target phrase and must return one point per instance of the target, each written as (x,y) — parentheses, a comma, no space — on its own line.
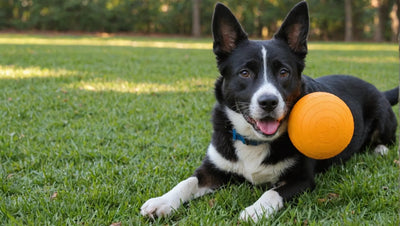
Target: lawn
(91,127)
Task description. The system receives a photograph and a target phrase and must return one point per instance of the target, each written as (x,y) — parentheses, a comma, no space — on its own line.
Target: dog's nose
(268,102)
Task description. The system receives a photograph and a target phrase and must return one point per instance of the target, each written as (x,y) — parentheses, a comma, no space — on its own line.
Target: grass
(91,127)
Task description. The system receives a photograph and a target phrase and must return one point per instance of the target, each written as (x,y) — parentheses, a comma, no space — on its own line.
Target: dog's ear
(227,32)
(294,29)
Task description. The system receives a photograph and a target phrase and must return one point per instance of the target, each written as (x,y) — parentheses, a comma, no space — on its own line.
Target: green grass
(92,127)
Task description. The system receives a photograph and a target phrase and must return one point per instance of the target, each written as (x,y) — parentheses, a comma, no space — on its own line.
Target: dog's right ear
(294,29)
(227,32)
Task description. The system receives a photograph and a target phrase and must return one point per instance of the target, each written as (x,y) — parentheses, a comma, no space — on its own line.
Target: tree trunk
(196,28)
(380,19)
(348,35)
(394,20)
(398,17)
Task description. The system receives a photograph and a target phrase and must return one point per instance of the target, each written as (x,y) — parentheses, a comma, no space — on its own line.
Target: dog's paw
(265,206)
(255,212)
(381,149)
(157,207)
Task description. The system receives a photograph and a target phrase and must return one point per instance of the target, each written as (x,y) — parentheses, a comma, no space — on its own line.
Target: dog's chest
(249,163)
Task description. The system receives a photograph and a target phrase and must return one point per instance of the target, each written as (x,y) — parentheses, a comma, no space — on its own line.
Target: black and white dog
(259,84)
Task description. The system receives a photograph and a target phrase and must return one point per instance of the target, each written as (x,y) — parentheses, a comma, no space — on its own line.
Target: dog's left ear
(294,29)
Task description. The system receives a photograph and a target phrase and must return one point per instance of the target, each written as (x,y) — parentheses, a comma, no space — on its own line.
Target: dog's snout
(268,102)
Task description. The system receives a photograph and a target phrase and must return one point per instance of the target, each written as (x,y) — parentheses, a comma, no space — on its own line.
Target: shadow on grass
(90,146)
(107,126)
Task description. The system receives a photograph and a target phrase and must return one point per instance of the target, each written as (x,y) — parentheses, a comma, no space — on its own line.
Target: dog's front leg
(266,205)
(165,204)
(205,179)
(272,200)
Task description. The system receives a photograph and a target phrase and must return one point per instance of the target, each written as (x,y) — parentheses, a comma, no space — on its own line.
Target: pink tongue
(268,127)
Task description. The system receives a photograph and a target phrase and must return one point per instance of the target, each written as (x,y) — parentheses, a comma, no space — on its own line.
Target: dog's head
(260,80)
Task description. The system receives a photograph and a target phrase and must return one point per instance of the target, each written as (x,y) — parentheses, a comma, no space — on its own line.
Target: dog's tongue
(268,127)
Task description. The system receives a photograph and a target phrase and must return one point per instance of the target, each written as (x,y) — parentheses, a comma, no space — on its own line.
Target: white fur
(267,87)
(182,192)
(264,55)
(381,149)
(249,163)
(241,125)
(257,112)
(247,130)
(266,205)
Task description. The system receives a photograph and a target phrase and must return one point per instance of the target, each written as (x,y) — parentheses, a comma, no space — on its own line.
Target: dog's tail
(392,95)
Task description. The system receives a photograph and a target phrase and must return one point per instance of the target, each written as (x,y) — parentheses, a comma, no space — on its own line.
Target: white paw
(157,207)
(255,213)
(265,206)
(381,149)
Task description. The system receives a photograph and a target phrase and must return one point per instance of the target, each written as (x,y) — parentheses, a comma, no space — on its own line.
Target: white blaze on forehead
(264,56)
(266,88)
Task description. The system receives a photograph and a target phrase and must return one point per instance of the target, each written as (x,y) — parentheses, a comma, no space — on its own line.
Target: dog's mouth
(267,126)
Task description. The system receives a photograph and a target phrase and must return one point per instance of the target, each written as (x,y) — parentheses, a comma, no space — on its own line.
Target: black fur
(374,120)
(259,84)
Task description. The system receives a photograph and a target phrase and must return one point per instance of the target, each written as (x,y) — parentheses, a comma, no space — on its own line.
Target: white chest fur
(249,164)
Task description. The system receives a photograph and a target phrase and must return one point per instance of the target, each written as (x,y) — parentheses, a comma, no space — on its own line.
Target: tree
(396,8)
(380,19)
(196,28)
(348,35)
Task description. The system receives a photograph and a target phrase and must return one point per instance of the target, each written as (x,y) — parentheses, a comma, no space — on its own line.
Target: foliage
(92,127)
(174,16)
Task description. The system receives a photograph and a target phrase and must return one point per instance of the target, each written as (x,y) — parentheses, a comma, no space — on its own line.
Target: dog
(259,83)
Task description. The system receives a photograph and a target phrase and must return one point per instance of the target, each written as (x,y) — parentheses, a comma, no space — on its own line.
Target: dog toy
(320,125)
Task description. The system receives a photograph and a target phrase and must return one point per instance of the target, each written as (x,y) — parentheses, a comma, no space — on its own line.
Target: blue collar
(236,136)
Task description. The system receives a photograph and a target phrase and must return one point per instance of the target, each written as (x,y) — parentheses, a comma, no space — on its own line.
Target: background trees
(331,19)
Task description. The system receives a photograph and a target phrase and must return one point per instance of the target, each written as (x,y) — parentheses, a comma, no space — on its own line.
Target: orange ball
(320,125)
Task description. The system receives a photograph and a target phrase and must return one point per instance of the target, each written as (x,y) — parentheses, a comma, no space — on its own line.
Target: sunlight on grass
(91,129)
(15,40)
(194,85)
(12,72)
(176,44)
(369,59)
(352,47)
(119,85)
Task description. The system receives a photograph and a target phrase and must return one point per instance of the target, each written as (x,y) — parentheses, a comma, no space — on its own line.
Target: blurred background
(338,20)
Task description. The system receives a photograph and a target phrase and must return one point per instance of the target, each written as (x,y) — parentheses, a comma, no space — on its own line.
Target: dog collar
(236,136)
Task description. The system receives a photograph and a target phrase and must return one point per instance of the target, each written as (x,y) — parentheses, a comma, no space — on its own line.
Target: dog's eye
(284,72)
(244,73)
